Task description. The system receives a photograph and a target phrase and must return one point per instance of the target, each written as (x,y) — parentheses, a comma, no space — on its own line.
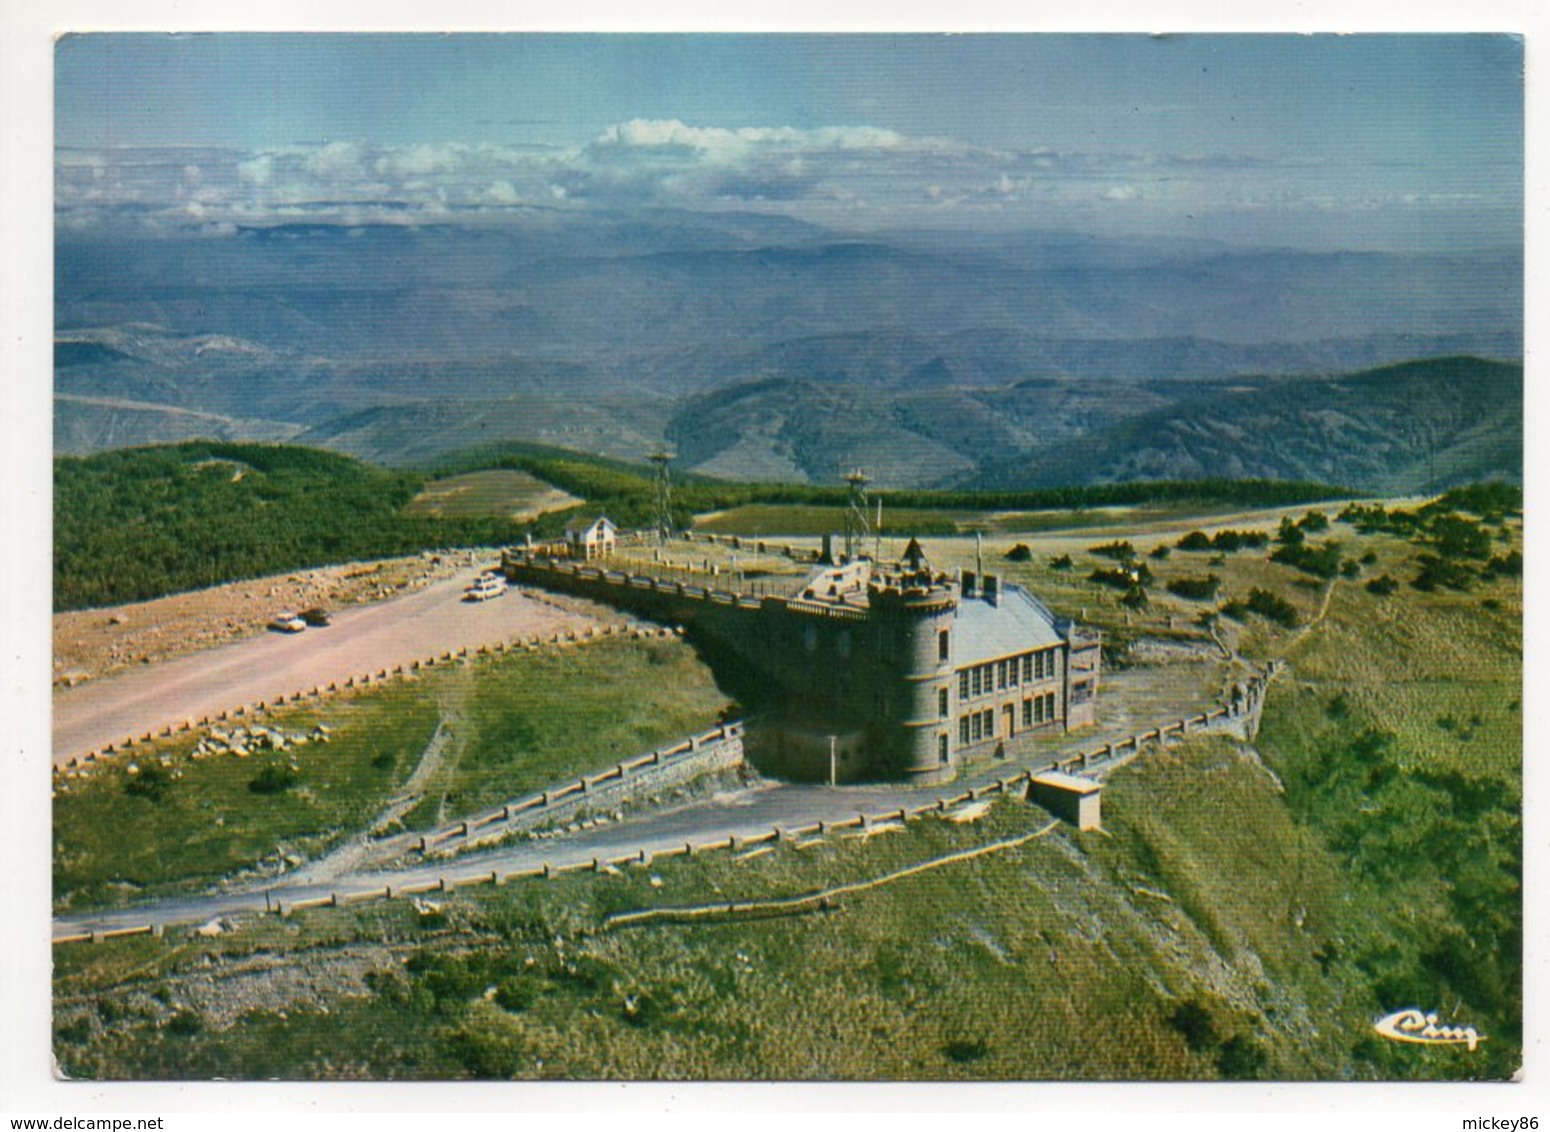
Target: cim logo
(1413,1026)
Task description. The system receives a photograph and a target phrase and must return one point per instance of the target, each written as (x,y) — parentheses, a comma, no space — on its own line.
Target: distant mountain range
(768,349)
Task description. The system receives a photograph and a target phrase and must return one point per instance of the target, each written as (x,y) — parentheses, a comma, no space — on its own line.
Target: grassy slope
(1073,956)
(518,723)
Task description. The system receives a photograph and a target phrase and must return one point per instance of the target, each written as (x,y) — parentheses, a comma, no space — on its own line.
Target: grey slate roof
(987,632)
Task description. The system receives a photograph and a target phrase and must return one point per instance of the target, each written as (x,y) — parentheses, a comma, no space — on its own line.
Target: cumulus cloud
(850,170)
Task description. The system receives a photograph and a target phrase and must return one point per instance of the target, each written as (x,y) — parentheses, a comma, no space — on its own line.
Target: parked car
(488,586)
(287,622)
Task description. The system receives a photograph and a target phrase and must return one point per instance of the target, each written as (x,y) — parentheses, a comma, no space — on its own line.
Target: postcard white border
(26,224)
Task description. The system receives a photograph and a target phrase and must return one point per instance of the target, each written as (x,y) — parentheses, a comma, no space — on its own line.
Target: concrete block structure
(865,670)
(1069,797)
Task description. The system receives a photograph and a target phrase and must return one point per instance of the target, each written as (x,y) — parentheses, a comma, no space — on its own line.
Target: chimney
(966,583)
(992,589)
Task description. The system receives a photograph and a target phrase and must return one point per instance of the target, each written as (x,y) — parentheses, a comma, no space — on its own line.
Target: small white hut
(592,538)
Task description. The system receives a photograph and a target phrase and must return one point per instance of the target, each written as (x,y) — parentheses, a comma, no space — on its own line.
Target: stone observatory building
(866,670)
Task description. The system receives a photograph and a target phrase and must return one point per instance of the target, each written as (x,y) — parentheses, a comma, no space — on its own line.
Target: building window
(990,723)
(963,684)
(1049,706)
(1027,713)
(963,731)
(1038,709)
(942,647)
(976,727)
(1001,676)
(941,748)
(1027,668)
(975,686)
(941,706)
(1013,666)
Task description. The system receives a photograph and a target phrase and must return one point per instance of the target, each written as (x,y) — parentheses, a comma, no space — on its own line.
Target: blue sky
(1355,141)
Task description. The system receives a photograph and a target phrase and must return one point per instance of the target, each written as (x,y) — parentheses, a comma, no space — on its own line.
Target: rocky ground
(92,643)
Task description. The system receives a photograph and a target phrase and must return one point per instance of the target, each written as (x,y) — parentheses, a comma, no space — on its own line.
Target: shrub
(1437,572)
(275,779)
(1062,563)
(1484,498)
(1314,521)
(1196,1024)
(1322,561)
(1241,1058)
(151,782)
(1273,608)
(1290,534)
(1383,586)
(964,1051)
(185,1023)
(1238,540)
(1135,598)
(1459,538)
(1195,540)
(1020,553)
(1119,551)
(1195,589)
(1122,579)
(516,994)
(1504,566)
(1159,553)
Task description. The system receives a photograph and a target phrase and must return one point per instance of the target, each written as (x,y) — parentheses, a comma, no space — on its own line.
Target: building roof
(580,526)
(1069,782)
(1016,624)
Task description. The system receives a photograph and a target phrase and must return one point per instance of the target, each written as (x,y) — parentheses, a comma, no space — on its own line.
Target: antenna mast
(857,529)
(661,458)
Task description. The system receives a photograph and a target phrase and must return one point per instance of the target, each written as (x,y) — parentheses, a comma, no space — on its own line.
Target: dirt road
(369,638)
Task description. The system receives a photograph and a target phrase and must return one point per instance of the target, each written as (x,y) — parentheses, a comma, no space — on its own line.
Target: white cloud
(857,171)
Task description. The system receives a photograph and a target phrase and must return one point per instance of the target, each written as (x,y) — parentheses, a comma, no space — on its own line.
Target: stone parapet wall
(661,769)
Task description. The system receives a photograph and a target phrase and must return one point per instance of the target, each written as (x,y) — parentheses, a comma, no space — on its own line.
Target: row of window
(980,725)
(999,675)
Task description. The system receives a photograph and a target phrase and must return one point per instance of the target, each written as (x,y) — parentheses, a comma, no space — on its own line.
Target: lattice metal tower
(661,458)
(858,528)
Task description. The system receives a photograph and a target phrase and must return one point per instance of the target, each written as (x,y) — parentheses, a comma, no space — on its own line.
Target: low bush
(275,779)
(1195,589)
(1119,551)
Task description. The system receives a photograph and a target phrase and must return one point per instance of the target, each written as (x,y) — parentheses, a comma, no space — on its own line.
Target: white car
(287,622)
(488,586)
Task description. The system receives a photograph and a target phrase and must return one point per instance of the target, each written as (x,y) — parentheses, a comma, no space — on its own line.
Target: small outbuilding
(1069,797)
(594,538)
